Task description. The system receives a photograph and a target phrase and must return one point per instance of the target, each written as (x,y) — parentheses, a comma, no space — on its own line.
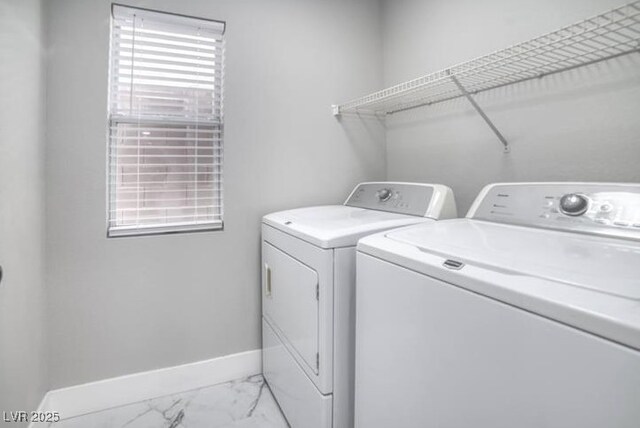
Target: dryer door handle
(267,280)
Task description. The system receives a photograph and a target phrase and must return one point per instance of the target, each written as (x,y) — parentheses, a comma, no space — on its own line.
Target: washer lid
(333,226)
(572,259)
(587,281)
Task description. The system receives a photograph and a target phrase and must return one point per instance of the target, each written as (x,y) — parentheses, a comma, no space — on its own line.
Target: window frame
(217,127)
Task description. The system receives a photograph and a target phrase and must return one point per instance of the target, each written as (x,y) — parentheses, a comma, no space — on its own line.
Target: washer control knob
(574,204)
(384,194)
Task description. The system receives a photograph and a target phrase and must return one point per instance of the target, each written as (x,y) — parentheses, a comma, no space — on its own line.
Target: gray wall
(22,299)
(579,125)
(129,304)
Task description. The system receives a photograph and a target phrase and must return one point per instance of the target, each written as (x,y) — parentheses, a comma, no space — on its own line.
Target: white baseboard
(105,394)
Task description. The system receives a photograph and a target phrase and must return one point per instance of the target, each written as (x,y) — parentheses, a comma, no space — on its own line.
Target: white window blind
(165,123)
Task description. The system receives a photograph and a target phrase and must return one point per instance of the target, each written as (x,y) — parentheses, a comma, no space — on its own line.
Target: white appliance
(524,314)
(308,287)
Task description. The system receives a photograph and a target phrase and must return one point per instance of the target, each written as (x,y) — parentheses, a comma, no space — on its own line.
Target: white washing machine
(308,284)
(524,314)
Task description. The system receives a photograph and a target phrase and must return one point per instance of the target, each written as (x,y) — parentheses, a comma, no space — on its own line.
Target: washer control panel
(609,209)
(401,198)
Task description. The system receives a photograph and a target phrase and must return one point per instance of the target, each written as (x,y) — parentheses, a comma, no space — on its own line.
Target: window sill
(123,231)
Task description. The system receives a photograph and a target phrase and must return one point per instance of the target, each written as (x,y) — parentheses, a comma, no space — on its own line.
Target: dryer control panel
(402,198)
(604,209)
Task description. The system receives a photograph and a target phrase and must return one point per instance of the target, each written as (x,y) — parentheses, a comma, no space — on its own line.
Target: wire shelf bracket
(482,114)
(609,35)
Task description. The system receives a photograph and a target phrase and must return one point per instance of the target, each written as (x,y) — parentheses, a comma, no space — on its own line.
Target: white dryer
(524,314)
(308,287)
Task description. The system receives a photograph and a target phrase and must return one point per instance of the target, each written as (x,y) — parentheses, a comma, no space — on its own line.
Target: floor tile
(245,403)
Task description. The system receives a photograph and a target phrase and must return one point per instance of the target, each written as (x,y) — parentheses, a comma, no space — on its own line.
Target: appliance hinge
(318,291)
(318,361)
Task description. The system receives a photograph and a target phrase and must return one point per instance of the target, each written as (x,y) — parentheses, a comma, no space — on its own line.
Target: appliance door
(429,353)
(297,301)
(303,405)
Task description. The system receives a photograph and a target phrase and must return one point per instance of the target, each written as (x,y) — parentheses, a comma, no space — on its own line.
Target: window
(165,123)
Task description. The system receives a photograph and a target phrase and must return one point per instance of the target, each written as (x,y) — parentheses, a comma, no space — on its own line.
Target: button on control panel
(574,204)
(610,209)
(384,194)
(402,198)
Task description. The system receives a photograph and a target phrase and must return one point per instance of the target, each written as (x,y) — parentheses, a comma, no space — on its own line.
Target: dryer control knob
(574,204)
(384,194)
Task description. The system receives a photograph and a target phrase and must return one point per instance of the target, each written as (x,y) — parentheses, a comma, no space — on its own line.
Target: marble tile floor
(244,403)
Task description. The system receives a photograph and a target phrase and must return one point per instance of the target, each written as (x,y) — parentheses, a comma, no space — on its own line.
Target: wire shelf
(605,36)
